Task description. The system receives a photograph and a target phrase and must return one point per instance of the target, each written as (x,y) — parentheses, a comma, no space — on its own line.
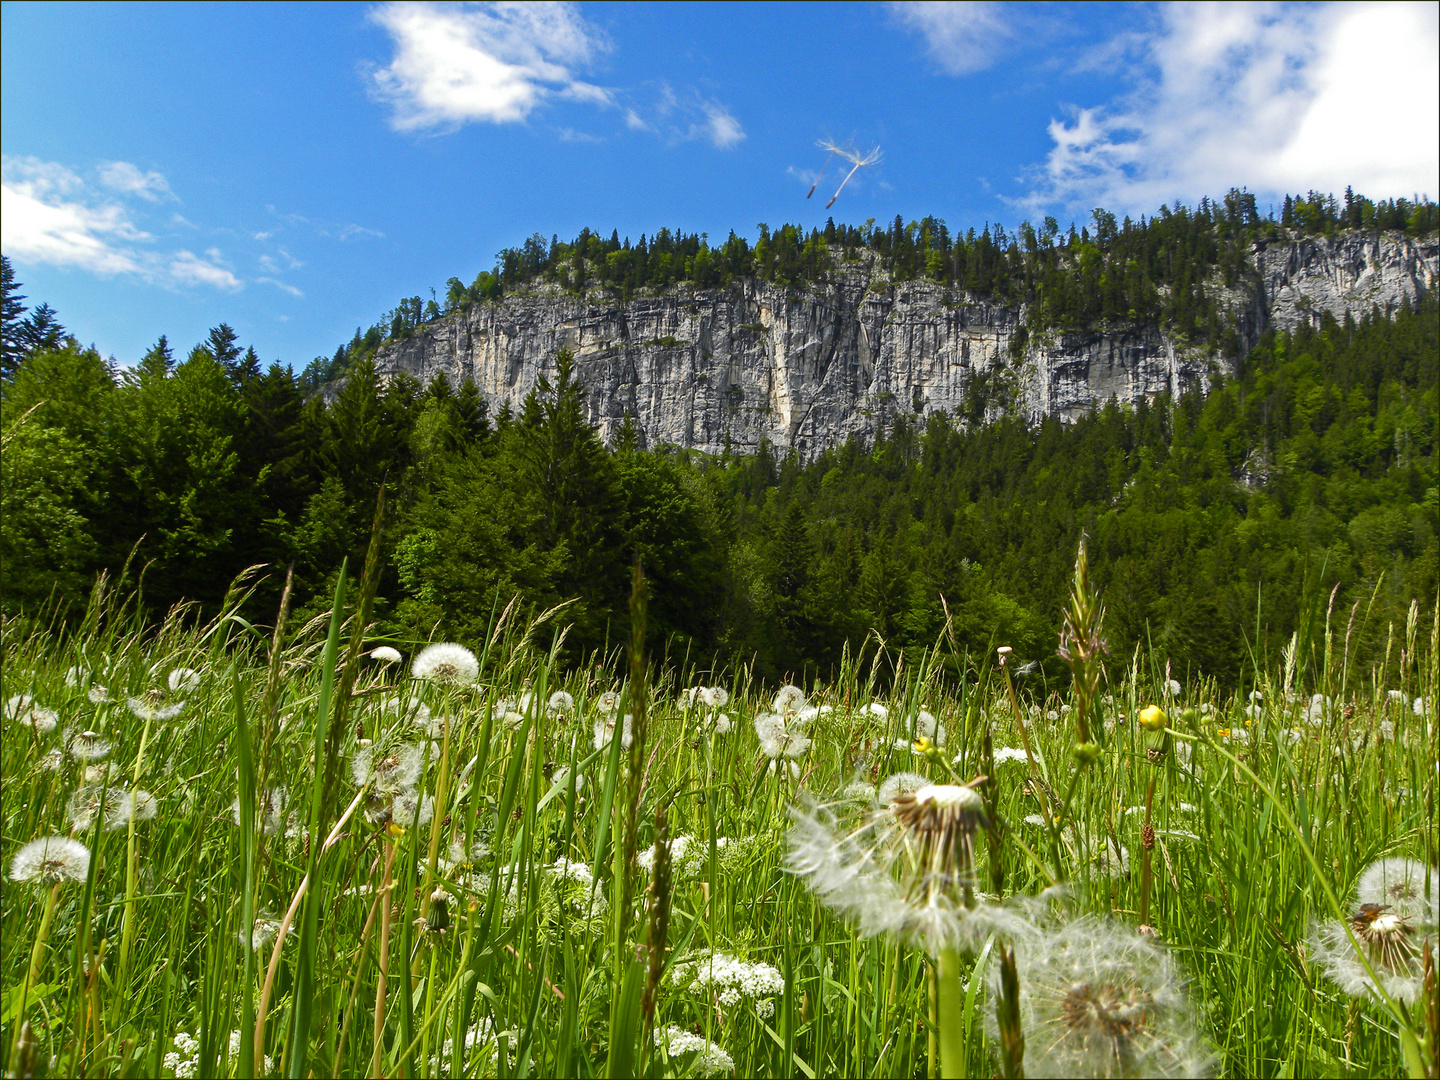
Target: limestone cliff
(807,367)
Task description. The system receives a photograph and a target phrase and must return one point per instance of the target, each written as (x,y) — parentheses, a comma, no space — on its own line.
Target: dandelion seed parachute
(446,662)
(50,860)
(86,745)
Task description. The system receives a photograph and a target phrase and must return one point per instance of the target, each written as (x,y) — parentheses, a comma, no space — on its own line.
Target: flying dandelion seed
(1098,1000)
(446,662)
(51,860)
(818,176)
(857,161)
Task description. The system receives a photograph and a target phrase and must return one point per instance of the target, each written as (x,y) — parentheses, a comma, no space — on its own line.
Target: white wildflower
(709,1058)
(727,980)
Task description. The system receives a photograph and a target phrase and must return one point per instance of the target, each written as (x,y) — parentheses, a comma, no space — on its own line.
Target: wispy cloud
(722,129)
(494,63)
(961,38)
(124,177)
(50,215)
(282,286)
(352,232)
(1280,99)
(685,117)
(187,268)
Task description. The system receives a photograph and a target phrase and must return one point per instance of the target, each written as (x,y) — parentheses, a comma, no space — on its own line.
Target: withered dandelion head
(389,769)
(51,860)
(446,662)
(905,868)
(1099,1000)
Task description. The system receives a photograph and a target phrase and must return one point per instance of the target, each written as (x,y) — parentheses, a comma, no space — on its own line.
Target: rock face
(805,368)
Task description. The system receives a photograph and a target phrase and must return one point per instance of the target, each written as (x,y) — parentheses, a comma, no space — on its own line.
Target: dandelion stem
(384,894)
(37,953)
(950,1004)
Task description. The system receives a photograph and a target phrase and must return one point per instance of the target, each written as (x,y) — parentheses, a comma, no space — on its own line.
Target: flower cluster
(709,1058)
(728,980)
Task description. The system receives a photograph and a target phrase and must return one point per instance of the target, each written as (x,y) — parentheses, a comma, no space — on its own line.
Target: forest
(1298,497)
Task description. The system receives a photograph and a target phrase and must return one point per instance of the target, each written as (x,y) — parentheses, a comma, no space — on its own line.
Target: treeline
(1218,525)
(1151,271)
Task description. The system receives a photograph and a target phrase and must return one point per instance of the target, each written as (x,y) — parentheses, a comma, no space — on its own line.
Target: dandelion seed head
(901,783)
(1099,1000)
(790,699)
(1389,943)
(714,697)
(23,709)
(114,806)
(51,860)
(183,680)
(97,695)
(608,703)
(560,703)
(389,770)
(605,732)
(153,708)
(446,662)
(386,654)
(85,745)
(878,711)
(778,739)
(1409,887)
(722,724)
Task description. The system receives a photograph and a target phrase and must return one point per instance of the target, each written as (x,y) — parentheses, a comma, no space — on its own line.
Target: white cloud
(187,268)
(291,289)
(125,177)
(49,215)
(46,217)
(720,127)
(494,63)
(961,38)
(634,122)
(1277,99)
(350,232)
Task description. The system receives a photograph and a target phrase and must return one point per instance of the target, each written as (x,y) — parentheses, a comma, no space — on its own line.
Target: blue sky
(295,169)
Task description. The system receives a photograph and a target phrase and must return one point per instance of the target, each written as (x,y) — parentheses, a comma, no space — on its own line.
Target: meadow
(296,849)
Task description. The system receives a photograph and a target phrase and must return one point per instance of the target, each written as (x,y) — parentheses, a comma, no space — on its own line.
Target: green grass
(543,968)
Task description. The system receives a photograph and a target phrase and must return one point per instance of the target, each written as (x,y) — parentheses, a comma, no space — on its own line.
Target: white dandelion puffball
(560,703)
(51,860)
(714,697)
(386,654)
(1389,943)
(115,807)
(875,709)
(393,770)
(183,680)
(790,699)
(1408,887)
(902,783)
(97,694)
(608,702)
(1172,687)
(23,709)
(687,696)
(605,732)
(1097,999)
(777,739)
(1006,754)
(413,808)
(722,724)
(446,662)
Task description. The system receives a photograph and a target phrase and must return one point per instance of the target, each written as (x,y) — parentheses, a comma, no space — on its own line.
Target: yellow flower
(1223,732)
(923,745)
(1152,718)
